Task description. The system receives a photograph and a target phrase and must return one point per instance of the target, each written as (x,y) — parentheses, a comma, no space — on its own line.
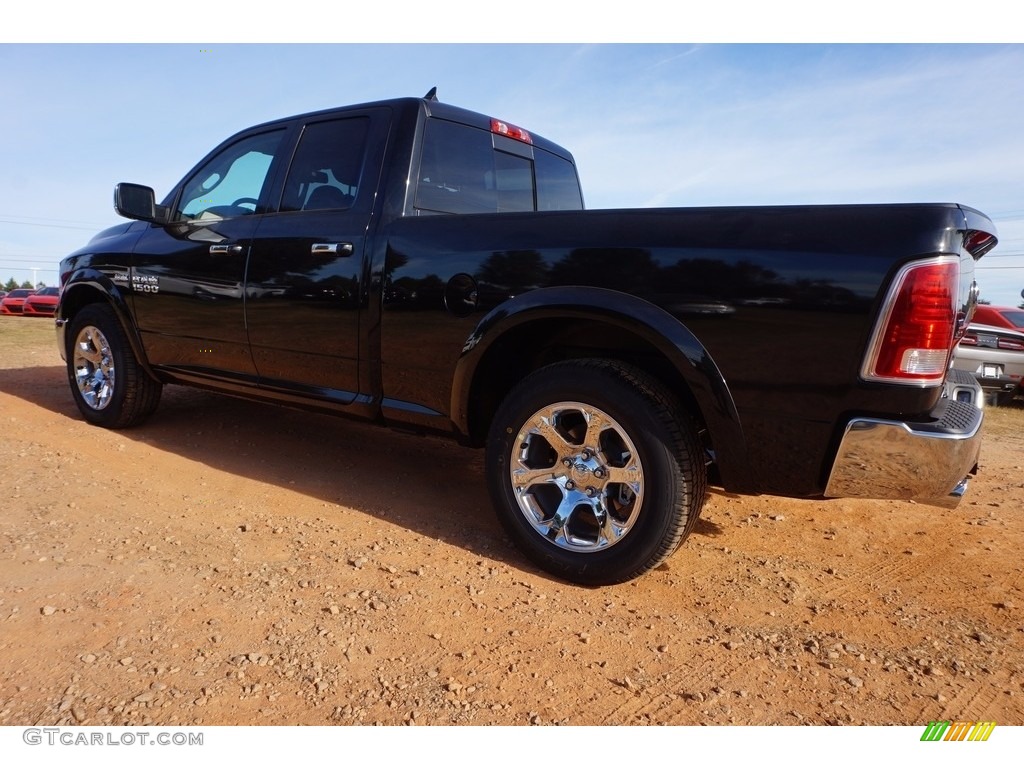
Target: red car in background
(42,303)
(999,317)
(13,303)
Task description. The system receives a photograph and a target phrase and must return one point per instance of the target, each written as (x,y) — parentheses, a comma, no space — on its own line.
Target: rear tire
(110,388)
(595,471)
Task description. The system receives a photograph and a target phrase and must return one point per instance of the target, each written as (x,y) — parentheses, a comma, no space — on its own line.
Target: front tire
(110,388)
(595,471)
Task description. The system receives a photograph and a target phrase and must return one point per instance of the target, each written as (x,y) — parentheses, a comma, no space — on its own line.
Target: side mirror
(134,201)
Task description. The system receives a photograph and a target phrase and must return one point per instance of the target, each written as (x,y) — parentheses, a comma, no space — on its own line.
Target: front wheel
(109,386)
(596,473)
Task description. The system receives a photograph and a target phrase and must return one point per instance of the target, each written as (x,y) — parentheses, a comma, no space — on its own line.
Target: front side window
(230,184)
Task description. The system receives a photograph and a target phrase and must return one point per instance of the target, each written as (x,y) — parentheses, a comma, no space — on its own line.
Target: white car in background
(996,358)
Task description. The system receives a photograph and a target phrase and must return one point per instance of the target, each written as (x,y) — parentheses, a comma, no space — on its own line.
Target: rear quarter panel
(783,300)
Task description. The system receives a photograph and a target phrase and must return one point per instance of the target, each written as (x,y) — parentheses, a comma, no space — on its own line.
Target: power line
(46,221)
(23,259)
(50,226)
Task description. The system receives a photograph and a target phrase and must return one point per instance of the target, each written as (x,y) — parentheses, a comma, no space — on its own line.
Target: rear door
(306,282)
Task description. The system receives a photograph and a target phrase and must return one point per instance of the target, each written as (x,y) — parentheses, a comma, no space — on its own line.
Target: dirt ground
(231,563)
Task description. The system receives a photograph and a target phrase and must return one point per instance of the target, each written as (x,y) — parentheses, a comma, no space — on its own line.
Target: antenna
(431,94)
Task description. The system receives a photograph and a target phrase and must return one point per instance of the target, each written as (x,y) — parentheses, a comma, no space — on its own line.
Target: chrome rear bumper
(928,461)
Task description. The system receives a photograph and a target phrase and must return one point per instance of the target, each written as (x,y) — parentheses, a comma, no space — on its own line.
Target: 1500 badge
(145,284)
(140,283)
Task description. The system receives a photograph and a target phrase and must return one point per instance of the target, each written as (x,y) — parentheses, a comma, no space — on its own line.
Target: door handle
(225,249)
(339,249)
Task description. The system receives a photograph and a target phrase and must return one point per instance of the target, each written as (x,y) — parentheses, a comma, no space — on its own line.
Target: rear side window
(462,171)
(327,166)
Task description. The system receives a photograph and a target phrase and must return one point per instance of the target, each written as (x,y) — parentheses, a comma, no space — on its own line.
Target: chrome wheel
(111,388)
(93,365)
(595,469)
(576,477)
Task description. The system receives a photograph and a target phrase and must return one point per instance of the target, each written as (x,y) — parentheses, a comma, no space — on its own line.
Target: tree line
(11,284)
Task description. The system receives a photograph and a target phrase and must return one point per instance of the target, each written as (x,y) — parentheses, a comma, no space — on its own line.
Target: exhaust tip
(952,500)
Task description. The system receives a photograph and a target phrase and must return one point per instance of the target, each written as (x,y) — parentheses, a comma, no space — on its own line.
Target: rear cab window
(464,169)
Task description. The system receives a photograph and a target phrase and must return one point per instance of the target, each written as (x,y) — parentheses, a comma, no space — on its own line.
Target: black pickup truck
(422,266)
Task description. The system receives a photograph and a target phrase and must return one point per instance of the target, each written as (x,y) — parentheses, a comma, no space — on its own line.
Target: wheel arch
(94,287)
(552,324)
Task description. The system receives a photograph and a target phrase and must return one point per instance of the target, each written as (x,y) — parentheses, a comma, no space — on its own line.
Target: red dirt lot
(231,563)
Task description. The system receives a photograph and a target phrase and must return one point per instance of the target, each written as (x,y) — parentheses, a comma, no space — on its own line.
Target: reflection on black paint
(685,287)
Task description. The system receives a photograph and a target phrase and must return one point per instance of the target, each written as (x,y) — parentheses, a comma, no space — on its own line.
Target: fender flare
(88,283)
(661,330)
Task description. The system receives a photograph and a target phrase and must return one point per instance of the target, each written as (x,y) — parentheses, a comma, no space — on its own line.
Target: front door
(187,278)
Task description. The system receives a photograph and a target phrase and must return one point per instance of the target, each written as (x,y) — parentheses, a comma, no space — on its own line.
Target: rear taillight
(1004,343)
(913,340)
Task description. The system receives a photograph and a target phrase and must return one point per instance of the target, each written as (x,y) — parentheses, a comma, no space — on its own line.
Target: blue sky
(649,124)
